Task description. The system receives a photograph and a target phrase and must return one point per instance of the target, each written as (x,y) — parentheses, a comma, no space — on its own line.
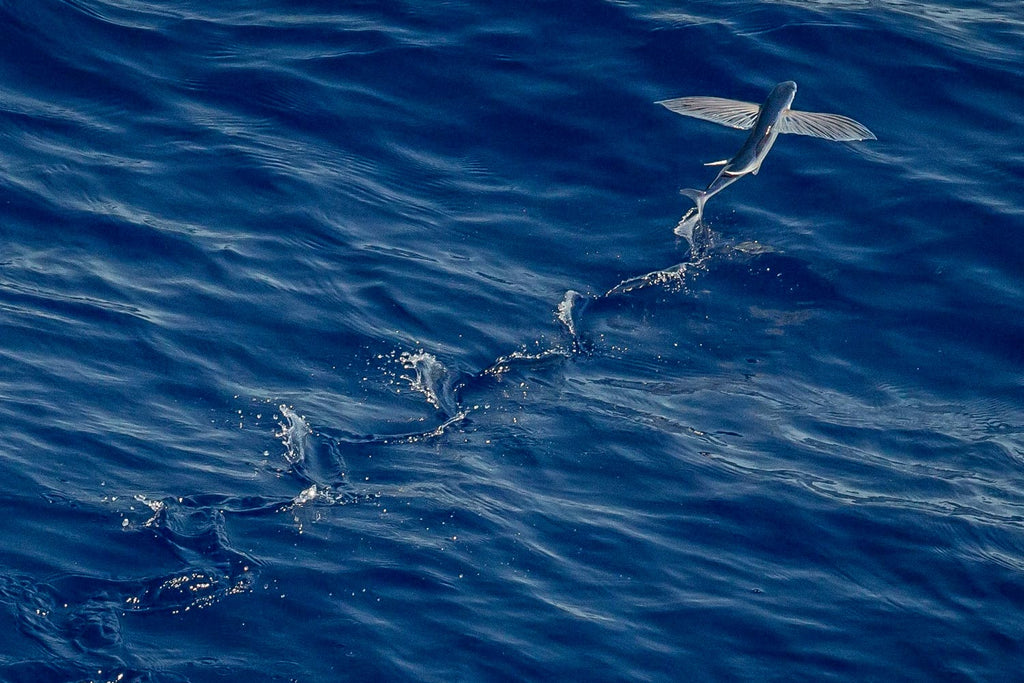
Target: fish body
(765,122)
(762,135)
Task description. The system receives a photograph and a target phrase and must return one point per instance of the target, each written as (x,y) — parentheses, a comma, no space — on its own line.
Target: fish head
(784,92)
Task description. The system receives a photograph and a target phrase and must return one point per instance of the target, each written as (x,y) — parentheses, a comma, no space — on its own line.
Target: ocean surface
(354,341)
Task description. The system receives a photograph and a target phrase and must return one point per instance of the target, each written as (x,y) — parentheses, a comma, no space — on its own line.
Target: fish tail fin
(698,197)
(693,217)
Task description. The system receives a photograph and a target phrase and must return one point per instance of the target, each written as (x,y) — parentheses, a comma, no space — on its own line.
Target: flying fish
(765,123)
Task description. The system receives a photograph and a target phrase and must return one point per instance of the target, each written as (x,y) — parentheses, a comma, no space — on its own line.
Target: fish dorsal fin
(828,126)
(732,113)
(722,162)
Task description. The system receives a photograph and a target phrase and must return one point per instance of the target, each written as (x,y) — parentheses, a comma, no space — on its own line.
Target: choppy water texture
(349,341)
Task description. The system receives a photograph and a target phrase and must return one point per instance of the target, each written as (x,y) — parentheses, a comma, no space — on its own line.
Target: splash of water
(431,380)
(674,277)
(295,436)
(568,311)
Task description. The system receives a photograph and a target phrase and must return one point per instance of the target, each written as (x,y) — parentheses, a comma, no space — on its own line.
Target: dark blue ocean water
(352,341)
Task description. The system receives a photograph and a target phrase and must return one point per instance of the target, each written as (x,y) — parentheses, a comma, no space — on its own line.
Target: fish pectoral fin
(732,113)
(828,126)
(723,162)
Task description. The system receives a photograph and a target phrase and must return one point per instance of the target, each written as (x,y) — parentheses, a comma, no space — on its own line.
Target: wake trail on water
(443,389)
(210,568)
